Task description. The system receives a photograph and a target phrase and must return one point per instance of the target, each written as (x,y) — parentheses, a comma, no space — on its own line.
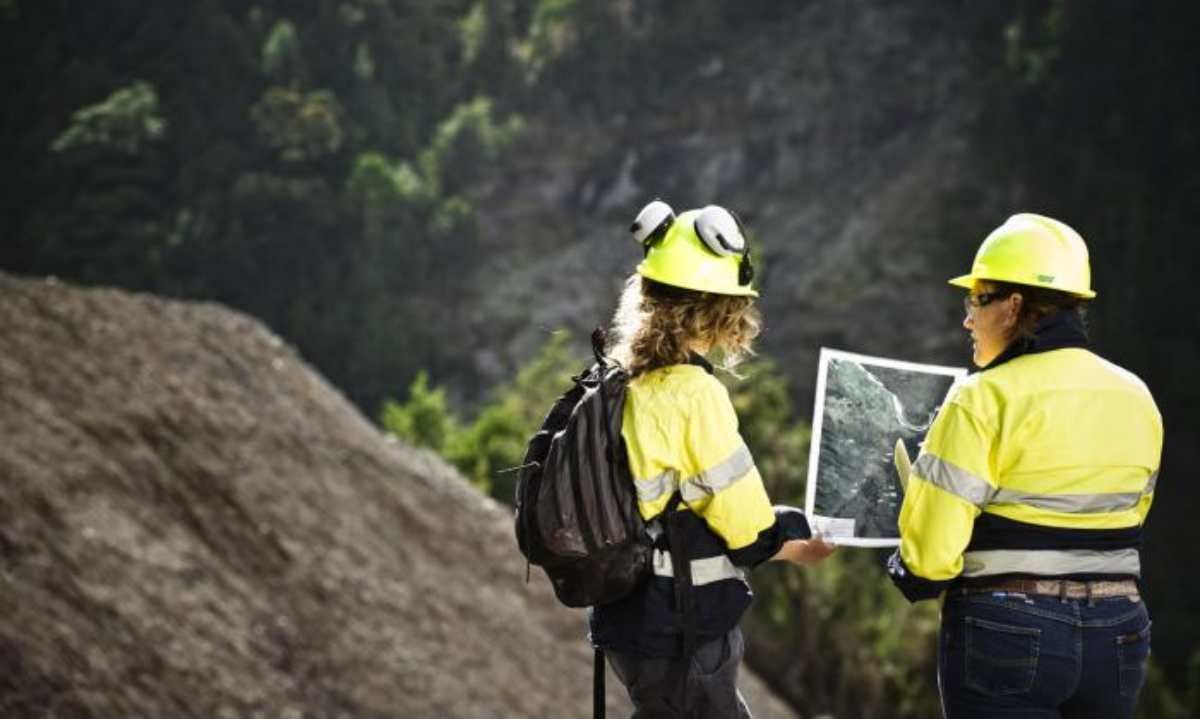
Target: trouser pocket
(1000,658)
(1133,651)
(718,655)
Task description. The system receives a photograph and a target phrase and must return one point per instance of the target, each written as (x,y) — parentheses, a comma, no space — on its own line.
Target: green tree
(300,126)
(495,442)
(490,449)
(778,441)
(487,449)
(423,419)
(281,56)
(469,136)
(1032,44)
(108,223)
(126,121)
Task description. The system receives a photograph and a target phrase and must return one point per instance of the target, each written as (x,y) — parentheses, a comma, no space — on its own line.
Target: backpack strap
(599,337)
(685,597)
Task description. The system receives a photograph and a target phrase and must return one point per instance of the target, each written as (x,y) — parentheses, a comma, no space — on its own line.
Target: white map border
(814,445)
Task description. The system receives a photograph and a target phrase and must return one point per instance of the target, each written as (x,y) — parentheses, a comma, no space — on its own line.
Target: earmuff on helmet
(652,223)
(717,228)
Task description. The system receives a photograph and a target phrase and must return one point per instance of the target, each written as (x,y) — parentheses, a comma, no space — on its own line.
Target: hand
(805,552)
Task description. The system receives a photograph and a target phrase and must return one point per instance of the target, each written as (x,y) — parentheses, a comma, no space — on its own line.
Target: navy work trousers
(654,683)
(1005,654)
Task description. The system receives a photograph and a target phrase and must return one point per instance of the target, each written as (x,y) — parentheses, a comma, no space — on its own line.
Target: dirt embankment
(194,524)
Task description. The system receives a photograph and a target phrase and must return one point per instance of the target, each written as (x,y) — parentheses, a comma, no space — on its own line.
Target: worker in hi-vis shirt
(675,643)
(1024,509)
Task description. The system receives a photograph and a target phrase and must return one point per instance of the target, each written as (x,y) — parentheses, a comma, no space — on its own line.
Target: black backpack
(577,511)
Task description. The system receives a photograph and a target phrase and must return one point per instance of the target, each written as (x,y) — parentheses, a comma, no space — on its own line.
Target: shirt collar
(1053,332)
(699,361)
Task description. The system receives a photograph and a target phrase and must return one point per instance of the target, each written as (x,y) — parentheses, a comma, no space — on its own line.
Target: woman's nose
(968,321)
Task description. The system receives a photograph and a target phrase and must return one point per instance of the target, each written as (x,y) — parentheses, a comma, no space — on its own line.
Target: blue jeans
(1004,654)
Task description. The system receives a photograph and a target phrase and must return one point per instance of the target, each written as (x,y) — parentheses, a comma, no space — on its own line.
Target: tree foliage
(281,56)
(309,166)
(127,120)
(299,126)
(488,449)
(423,419)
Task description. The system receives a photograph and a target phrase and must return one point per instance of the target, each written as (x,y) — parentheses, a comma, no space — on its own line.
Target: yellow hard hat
(1034,250)
(703,250)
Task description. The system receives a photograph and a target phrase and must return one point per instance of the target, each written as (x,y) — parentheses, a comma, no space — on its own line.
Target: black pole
(598,685)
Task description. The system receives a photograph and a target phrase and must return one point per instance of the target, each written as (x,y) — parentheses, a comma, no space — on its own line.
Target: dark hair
(1037,303)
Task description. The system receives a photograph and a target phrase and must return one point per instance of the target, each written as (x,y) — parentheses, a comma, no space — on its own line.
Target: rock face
(194,524)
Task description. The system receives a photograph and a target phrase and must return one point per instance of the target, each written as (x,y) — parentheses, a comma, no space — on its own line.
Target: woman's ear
(1012,309)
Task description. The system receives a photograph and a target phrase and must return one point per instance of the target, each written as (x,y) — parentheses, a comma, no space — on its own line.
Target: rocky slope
(846,148)
(194,524)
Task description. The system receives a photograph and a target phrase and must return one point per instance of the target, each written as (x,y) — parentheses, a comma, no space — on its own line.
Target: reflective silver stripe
(720,476)
(1051,562)
(707,483)
(953,479)
(649,490)
(1071,503)
(1150,484)
(704,571)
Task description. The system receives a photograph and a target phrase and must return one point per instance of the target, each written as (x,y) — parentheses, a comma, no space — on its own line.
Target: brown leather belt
(1062,588)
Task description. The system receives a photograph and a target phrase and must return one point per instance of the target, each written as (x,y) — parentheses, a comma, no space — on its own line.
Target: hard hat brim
(968,282)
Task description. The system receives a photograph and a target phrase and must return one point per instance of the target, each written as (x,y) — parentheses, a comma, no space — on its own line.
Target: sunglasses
(719,229)
(983,299)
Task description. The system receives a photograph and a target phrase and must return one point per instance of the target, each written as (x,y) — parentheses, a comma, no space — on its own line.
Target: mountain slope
(849,158)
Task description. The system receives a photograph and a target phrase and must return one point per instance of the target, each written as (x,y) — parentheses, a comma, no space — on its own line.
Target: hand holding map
(903,464)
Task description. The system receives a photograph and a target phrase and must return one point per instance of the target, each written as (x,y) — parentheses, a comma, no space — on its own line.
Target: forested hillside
(443,186)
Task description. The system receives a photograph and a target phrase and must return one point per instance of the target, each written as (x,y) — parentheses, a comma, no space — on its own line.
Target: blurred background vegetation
(355,173)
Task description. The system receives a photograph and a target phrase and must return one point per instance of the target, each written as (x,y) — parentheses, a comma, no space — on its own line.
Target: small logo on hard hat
(1045,278)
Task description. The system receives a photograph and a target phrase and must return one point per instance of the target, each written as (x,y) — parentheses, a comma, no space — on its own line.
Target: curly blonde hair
(656,325)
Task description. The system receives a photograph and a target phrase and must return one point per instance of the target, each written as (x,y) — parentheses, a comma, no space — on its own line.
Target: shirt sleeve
(950,483)
(722,484)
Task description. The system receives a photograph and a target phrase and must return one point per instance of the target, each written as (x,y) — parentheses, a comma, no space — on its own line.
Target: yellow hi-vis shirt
(681,432)
(1061,440)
